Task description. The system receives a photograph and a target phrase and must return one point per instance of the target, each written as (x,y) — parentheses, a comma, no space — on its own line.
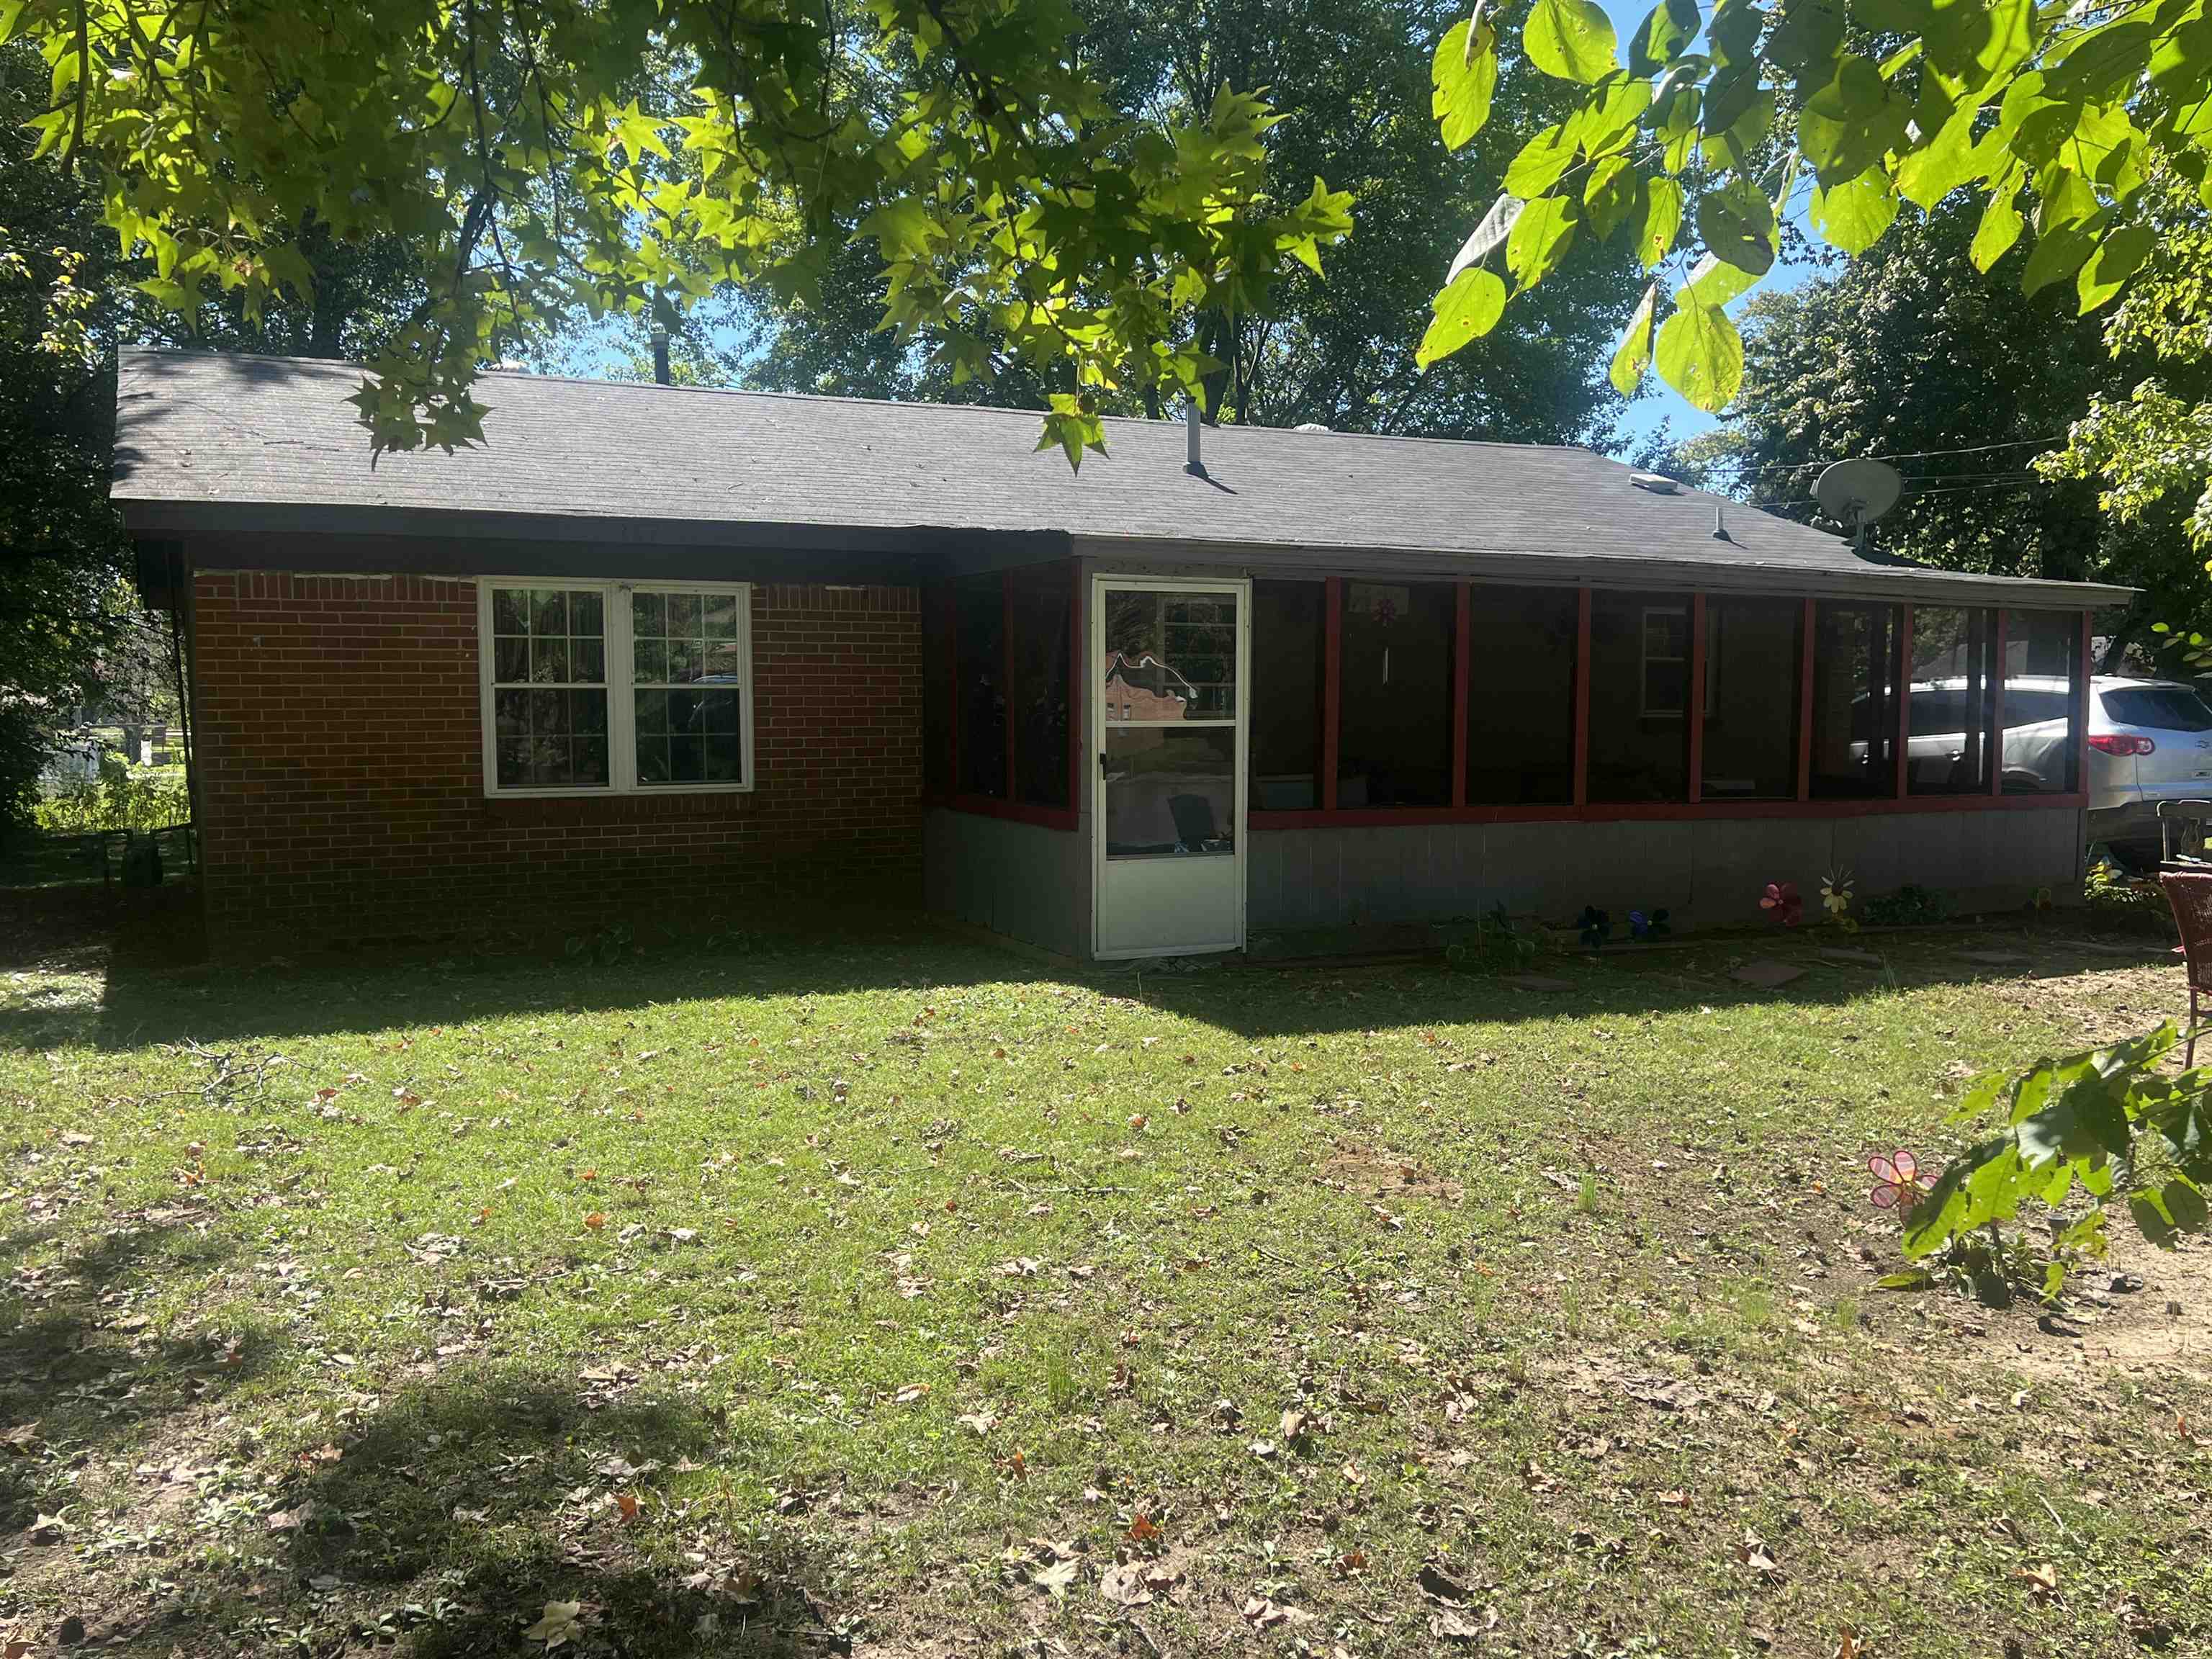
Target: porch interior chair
(1193,821)
(2190,893)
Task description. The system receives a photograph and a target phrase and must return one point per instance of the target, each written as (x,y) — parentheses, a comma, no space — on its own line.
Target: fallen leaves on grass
(1753,1554)
(560,1623)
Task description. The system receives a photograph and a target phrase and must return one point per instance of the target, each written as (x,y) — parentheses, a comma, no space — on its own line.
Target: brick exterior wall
(341,773)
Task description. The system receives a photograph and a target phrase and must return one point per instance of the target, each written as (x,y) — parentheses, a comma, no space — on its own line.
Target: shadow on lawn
(149,998)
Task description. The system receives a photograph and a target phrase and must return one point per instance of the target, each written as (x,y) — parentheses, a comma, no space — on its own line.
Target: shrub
(122,797)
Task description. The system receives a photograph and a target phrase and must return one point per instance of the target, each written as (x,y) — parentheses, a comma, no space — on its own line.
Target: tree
(522,147)
(1970,386)
(61,544)
(2055,115)
(1346,77)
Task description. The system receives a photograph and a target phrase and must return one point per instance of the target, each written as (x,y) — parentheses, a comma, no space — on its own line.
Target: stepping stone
(1766,974)
(1539,982)
(1864,959)
(1994,958)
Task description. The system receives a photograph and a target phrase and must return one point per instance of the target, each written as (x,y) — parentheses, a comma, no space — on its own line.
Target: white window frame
(622,701)
(1644,710)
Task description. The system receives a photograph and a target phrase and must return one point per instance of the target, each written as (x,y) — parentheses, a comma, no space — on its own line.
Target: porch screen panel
(1521,695)
(1288,621)
(937,671)
(1042,598)
(1639,683)
(550,688)
(1855,680)
(979,620)
(1950,743)
(1169,692)
(1751,699)
(1395,693)
(2042,736)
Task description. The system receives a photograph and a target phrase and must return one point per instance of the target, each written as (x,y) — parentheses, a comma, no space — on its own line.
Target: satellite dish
(1856,493)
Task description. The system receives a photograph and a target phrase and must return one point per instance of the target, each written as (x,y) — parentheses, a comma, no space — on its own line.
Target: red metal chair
(2190,893)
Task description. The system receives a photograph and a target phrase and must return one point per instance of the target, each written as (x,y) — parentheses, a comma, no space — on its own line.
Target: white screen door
(1168,672)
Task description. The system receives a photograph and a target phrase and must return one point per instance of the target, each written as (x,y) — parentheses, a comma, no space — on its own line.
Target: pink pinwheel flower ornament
(1898,1180)
(1781,897)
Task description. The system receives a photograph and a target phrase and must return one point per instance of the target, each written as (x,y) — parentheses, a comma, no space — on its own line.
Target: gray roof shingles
(274,432)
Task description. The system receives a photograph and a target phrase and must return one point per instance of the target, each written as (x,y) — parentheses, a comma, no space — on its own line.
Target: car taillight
(2121,743)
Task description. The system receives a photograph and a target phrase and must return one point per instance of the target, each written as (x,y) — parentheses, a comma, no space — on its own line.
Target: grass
(891,1296)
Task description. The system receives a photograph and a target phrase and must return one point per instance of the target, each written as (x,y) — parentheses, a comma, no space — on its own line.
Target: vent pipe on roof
(660,356)
(1193,463)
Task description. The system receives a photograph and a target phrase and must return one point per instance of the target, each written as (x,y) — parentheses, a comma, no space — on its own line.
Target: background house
(655,652)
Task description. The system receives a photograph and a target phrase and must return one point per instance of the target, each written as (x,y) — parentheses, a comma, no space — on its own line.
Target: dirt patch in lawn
(2107,1005)
(1383,1175)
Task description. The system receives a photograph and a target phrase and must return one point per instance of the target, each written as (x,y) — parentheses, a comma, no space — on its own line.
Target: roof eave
(1917,584)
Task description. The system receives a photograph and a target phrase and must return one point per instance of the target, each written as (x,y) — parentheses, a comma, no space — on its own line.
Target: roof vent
(1192,426)
(1656,482)
(1308,426)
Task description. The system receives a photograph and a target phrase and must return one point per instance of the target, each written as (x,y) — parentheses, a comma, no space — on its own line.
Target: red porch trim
(2083,670)
(1904,702)
(1695,695)
(1656,811)
(1805,636)
(1078,675)
(990,806)
(1007,671)
(1462,640)
(1582,696)
(1996,707)
(1331,662)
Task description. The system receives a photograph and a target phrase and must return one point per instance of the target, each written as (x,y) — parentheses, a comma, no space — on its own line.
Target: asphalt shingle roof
(265,432)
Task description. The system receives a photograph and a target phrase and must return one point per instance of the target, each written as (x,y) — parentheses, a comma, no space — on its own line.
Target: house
(655,653)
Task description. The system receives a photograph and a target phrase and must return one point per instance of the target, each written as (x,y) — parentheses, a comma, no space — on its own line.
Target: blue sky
(1660,402)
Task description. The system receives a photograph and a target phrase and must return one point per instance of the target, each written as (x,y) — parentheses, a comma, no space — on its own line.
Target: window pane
(1751,699)
(648,615)
(510,660)
(586,615)
(591,761)
(1854,700)
(549,611)
(717,711)
(1289,621)
(2160,708)
(1171,791)
(587,659)
(649,661)
(1639,738)
(510,611)
(2042,734)
(1170,656)
(1044,599)
(720,615)
(980,627)
(549,661)
(1395,696)
(725,757)
(510,714)
(1521,695)
(686,758)
(513,762)
(1948,752)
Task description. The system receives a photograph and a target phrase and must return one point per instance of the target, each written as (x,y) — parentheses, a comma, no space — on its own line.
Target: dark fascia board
(253,536)
(1776,578)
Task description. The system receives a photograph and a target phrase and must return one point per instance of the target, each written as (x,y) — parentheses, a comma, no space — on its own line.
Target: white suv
(2149,741)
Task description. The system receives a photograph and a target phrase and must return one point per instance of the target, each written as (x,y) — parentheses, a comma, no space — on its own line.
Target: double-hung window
(595,688)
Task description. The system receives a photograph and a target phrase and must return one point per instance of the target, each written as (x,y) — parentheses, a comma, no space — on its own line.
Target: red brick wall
(341,772)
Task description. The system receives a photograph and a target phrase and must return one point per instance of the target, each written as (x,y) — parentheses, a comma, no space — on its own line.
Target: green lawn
(896,1296)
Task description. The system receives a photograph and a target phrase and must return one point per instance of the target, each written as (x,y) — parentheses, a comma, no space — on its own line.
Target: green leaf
(1662,222)
(1464,81)
(1659,38)
(2059,253)
(1631,356)
(2118,258)
(1540,239)
(1942,163)
(1571,41)
(903,227)
(1540,163)
(1912,1279)
(1737,224)
(1700,354)
(2000,228)
(1854,215)
(1612,194)
(1467,308)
